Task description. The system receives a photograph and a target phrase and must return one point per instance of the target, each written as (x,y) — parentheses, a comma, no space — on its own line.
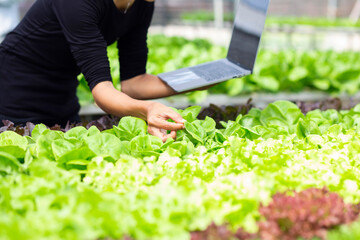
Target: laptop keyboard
(216,70)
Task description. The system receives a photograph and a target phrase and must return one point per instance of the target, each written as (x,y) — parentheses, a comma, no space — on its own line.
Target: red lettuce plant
(22,130)
(214,232)
(305,214)
(103,123)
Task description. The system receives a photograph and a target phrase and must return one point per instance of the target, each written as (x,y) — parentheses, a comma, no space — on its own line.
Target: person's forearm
(117,103)
(146,86)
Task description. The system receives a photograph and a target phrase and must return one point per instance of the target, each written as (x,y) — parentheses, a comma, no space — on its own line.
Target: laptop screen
(248,26)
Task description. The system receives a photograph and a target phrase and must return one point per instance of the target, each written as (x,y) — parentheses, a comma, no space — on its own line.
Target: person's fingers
(156,132)
(162,123)
(161,133)
(172,134)
(176,117)
(158,117)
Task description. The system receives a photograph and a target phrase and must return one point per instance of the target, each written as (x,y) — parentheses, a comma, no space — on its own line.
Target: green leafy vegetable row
(283,71)
(87,184)
(207,16)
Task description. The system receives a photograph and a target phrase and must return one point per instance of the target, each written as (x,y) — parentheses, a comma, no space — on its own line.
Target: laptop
(240,60)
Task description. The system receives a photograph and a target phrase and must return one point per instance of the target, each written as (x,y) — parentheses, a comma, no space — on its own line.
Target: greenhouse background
(333,20)
(273,155)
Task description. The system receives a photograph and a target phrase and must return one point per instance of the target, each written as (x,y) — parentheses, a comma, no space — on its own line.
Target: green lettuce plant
(88,184)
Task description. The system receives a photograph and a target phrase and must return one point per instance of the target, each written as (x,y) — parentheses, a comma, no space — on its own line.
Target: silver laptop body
(247,30)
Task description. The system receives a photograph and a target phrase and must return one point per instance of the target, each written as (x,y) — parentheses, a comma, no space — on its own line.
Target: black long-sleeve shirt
(58,39)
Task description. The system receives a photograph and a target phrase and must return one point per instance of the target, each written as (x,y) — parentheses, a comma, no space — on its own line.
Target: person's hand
(157,116)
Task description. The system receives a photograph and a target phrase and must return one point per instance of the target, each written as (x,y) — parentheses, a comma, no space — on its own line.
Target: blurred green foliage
(207,16)
(275,71)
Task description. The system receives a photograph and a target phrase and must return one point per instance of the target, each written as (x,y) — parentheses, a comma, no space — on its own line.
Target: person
(58,39)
